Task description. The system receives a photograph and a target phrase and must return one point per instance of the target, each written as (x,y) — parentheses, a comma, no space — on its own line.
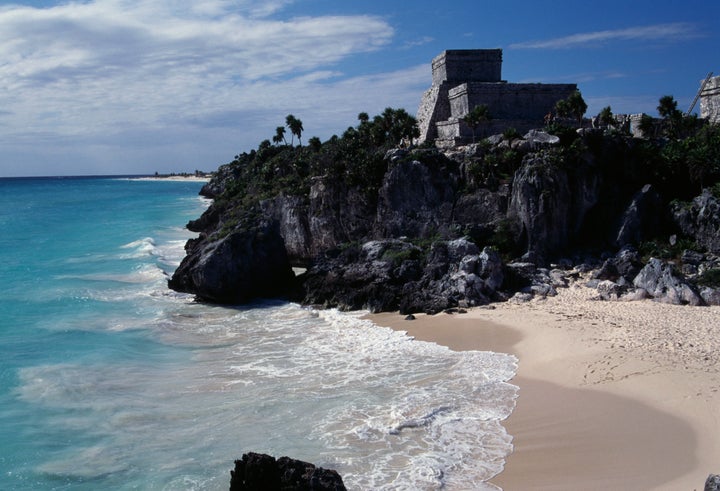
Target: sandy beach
(613,395)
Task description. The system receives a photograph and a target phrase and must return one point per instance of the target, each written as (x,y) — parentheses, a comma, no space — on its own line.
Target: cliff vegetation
(382,225)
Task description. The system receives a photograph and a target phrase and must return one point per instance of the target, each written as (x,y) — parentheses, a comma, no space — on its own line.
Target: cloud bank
(105,74)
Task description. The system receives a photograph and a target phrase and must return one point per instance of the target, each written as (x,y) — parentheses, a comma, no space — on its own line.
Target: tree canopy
(479,115)
(295,126)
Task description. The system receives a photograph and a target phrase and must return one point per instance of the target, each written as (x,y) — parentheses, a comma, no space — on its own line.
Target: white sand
(613,395)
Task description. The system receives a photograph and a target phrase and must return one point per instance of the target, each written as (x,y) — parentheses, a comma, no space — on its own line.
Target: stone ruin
(465,78)
(710,100)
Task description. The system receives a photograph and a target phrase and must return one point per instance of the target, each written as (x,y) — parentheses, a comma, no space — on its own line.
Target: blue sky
(139,86)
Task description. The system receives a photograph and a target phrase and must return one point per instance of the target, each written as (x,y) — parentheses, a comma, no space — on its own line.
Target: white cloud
(121,86)
(659,32)
(98,68)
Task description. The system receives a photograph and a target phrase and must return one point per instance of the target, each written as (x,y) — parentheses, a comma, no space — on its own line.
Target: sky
(107,87)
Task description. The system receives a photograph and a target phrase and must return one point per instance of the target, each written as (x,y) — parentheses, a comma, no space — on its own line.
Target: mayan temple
(465,78)
(710,100)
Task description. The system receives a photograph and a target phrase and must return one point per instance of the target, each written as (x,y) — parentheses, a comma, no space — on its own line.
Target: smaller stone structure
(463,79)
(710,100)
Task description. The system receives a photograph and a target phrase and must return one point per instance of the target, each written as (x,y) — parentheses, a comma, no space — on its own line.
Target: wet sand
(613,395)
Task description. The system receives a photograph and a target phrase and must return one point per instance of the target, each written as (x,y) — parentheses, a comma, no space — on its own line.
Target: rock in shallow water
(261,472)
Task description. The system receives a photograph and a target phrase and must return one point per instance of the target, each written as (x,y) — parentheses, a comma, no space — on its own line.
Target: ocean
(109,380)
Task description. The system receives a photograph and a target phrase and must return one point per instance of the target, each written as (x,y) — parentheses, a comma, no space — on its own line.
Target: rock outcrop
(549,203)
(700,219)
(712,483)
(428,234)
(661,282)
(240,266)
(261,472)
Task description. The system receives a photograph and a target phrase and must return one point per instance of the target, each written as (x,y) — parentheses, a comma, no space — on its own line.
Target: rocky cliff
(427,230)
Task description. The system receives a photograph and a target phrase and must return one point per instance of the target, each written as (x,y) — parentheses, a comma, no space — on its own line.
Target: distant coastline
(174,177)
(202,177)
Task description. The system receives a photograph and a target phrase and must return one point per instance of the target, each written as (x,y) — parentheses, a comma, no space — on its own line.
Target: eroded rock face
(417,199)
(700,220)
(641,219)
(245,264)
(370,247)
(550,203)
(396,275)
(261,472)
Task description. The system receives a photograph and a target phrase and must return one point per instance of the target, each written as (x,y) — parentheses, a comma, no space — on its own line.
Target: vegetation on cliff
(356,157)
(559,193)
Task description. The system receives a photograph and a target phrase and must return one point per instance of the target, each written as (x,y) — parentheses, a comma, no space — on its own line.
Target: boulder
(661,282)
(711,296)
(369,277)
(261,472)
(626,264)
(609,290)
(538,139)
(712,483)
(246,264)
(700,220)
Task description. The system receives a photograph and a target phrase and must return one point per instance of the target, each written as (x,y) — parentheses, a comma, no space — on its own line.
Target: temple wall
(467,65)
(434,106)
(463,79)
(507,101)
(710,101)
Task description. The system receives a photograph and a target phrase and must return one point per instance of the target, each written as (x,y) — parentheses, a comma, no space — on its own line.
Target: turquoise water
(108,380)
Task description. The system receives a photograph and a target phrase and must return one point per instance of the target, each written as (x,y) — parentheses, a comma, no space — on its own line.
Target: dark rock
(395,275)
(417,198)
(641,219)
(609,290)
(528,278)
(712,483)
(692,257)
(626,265)
(369,277)
(711,296)
(661,282)
(700,220)
(246,264)
(409,317)
(549,202)
(260,472)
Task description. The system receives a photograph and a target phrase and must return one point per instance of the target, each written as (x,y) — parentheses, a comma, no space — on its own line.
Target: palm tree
(605,116)
(671,115)
(315,144)
(573,106)
(479,115)
(296,127)
(279,135)
(577,106)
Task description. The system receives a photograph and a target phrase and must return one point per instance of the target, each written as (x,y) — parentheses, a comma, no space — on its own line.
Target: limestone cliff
(425,230)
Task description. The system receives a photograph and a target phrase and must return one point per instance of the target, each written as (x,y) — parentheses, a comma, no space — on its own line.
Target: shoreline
(172,178)
(613,395)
